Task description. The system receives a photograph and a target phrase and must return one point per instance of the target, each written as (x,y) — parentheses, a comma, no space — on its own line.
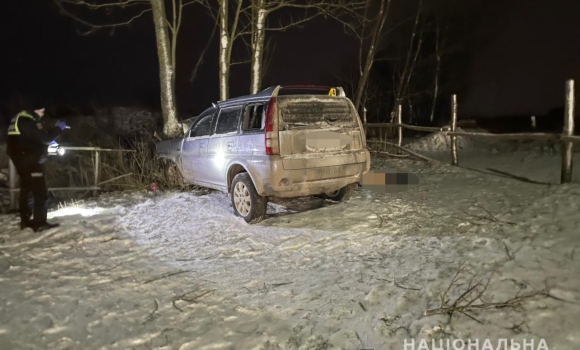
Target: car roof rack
(273,91)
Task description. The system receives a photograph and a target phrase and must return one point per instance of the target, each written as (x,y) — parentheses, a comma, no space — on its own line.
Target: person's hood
(35,115)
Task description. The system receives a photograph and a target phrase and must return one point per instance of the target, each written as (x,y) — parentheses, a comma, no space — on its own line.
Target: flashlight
(55,149)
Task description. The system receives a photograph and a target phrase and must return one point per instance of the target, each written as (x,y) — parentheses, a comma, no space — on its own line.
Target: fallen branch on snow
(362,306)
(194,299)
(398,285)
(280,284)
(488,217)
(410,152)
(151,315)
(165,276)
(507,251)
(380,218)
(472,297)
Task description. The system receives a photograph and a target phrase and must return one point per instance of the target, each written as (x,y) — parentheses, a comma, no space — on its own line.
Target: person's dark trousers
(31,174)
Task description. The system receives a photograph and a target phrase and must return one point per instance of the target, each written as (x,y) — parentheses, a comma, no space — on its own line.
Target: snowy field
(180,271)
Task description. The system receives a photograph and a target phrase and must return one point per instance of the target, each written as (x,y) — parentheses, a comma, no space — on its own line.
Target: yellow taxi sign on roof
(332,92)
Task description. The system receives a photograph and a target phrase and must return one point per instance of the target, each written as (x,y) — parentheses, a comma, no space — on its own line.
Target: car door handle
(230,144)
(202,145)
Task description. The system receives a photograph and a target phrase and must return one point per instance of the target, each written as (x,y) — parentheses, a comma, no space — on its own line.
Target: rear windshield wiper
(330,120)
(297,124)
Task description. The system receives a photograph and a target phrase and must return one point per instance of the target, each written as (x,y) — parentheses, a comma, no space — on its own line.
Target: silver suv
(287,141)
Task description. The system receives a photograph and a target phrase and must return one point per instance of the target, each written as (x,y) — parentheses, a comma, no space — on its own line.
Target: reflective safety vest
(13,128)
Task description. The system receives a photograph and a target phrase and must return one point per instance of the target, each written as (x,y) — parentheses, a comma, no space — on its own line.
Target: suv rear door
(253,123)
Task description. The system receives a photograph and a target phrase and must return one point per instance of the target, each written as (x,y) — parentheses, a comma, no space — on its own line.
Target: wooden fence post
(400,128)
(96,170)
(364,115)
(568,146)
(453,129)
(12,184)
(366,130)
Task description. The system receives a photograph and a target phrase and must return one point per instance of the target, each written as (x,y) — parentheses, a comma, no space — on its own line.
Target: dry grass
(133,167)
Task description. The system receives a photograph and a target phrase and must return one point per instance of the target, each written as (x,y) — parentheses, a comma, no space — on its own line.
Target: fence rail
(96,170)
(567,137)
(405,126)
(506,136)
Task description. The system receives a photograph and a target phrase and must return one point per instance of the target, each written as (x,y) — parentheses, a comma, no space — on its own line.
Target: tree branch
(98,26)
(292,23)
(240,62)
(94,6)
(200,60)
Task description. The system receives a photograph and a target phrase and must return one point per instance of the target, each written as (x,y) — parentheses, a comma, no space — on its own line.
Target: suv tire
(341,195)
(246,201)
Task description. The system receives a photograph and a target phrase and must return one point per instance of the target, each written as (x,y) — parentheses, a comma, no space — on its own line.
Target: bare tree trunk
(437,69)
(409,66)
(261,9)
(173,42)
(362,39)
(166,70)
(376,34)
(224,50)
(258,39)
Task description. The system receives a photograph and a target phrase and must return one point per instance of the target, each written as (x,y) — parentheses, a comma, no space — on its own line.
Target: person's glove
(61,124)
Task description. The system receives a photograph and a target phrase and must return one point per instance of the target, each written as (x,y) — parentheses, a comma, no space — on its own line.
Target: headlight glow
(60,151)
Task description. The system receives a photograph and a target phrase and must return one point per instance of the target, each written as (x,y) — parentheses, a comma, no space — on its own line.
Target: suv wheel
(341,195)
(246,201)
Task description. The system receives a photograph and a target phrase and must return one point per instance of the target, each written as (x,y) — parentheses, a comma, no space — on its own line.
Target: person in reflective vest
(27,147)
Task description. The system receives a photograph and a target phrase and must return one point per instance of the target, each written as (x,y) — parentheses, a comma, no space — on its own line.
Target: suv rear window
(254,115)
(316,111)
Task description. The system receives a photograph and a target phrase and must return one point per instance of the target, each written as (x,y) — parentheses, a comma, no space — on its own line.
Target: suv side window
(202,127)
(254,118)
(228,120)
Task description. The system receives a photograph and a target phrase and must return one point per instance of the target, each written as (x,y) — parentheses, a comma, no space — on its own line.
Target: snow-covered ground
(179,271)
(536,161)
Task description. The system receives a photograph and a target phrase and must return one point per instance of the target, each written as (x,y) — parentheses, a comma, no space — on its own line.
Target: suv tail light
(271,134)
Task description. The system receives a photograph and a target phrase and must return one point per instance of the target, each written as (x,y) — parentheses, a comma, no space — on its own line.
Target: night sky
(532,47)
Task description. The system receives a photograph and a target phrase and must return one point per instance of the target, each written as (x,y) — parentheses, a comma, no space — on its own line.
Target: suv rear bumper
(271,179)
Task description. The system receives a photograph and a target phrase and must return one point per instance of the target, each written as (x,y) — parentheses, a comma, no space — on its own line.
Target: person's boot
(44,226)
(25,223)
